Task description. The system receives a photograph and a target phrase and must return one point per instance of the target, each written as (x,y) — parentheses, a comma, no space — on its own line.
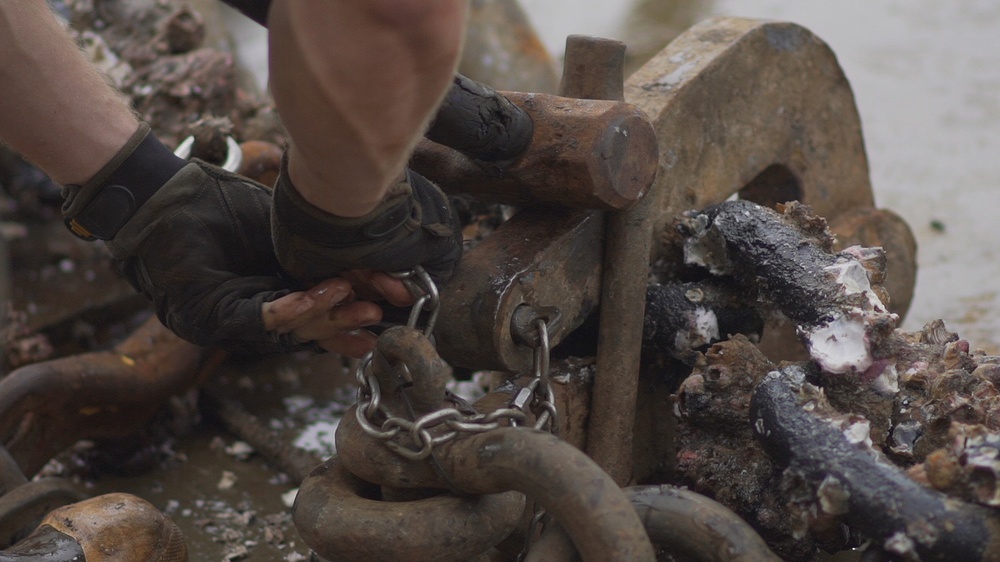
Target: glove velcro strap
(98,209)
(325,229)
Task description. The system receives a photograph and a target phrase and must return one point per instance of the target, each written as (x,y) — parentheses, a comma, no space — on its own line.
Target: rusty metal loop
(685,524)
(560,477)
(24,506)
(11,475)
(336,516)
(566,483)
(45,407)
(691,526)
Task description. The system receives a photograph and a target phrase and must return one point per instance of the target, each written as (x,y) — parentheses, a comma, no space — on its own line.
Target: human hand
(414,225)
(200,249)
(196,240)
(329,315)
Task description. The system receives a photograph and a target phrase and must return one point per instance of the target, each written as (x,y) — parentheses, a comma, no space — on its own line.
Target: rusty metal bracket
(763,109)
(590,150)
(738,106)
(23,507)
(539,258)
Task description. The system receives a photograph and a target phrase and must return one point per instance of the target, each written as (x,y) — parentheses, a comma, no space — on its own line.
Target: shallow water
(926,77)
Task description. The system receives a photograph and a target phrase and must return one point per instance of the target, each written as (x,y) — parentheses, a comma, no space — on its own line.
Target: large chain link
(459,419)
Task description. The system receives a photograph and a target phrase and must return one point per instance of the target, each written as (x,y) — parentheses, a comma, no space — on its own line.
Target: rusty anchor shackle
(406,375)
(473,450)
(23,503)
(45,407)
(343,517)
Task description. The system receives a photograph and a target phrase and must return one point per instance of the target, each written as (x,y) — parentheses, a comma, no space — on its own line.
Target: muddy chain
(461,418)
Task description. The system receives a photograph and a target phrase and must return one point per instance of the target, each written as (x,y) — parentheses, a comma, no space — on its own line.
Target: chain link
(420,285)
(538,394)
(538,518)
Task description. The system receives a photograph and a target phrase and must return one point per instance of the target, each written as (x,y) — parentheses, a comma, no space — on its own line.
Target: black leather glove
(193,238)
(414,225)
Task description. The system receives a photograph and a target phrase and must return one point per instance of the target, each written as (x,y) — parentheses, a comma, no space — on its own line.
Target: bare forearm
(356,83)
(58,112)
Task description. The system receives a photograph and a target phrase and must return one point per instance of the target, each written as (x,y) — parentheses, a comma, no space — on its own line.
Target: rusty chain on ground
(381,423)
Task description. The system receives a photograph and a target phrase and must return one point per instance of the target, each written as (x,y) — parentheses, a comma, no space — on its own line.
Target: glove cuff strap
(98,209)
(294,212)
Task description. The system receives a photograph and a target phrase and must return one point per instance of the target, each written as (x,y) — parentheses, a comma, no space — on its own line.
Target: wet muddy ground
(230,502)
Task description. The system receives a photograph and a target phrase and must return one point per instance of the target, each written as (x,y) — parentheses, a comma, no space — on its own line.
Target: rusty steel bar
(876,499)
(594,69)
(339,516)
(46,407)
(584,153)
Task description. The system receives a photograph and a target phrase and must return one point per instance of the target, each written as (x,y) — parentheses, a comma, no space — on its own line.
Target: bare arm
(356,83)
(61,114)
(58,110)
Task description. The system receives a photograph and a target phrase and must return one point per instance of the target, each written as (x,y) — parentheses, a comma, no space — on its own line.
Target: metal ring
(183,149)
(234,154)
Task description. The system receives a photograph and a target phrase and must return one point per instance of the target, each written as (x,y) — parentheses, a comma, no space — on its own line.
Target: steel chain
(370,408)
